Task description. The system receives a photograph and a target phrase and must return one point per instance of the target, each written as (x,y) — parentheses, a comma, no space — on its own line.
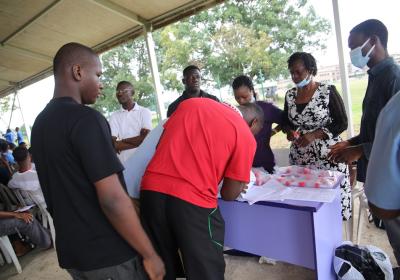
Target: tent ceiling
(32,31)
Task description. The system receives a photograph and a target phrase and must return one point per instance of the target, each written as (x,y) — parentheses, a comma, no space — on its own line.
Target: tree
(252,37)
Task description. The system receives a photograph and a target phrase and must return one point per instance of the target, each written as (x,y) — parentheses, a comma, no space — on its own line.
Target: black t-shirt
(174,105)
(72,148)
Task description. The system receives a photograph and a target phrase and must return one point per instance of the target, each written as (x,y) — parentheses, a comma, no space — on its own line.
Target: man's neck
(25,166)
(63,90)
(378,58)
(128,106)
(193,93)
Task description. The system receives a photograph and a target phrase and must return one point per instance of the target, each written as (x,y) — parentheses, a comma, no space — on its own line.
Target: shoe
(21,248)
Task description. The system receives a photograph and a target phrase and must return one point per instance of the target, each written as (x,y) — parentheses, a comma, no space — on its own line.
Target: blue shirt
(9,137)
(20,138)
(9,157)
(382,185)
(383,83)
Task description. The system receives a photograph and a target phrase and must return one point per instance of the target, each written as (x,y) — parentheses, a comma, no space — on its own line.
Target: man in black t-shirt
(98,232)
(191,80)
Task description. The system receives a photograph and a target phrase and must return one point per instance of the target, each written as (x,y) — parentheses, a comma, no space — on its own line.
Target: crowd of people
(170,225)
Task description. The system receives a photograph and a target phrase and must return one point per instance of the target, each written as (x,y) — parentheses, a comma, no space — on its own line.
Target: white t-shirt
(27,181)
(126,124)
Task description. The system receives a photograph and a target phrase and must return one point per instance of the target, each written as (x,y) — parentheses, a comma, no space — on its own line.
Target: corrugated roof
(32,31)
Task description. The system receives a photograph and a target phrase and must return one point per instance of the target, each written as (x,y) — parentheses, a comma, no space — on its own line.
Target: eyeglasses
(122,90)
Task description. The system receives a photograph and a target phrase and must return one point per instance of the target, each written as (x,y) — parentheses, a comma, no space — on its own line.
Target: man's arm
(383,214)
(137,140)
(121,213)
(25,216)
(231,189)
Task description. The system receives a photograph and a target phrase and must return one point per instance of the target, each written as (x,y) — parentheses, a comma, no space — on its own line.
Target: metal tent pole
(344,77)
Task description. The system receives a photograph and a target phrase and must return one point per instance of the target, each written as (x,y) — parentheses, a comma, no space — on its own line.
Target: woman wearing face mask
(243,90)
(314,118)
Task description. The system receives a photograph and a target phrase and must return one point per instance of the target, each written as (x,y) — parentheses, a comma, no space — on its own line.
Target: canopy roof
(31,32)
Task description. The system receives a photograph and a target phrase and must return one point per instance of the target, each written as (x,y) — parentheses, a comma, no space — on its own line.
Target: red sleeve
(241,160)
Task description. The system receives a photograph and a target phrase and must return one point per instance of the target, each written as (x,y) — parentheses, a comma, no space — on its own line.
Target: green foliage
(253,37)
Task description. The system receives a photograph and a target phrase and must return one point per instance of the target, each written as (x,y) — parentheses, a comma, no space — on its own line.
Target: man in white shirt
(26,178)
(130,125)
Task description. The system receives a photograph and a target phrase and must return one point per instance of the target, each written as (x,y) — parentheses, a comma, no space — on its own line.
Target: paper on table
(271,190)
(274,190)
(23,209)
(312,194)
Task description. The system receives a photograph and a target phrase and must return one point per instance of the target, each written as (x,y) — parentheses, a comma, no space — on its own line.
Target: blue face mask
(357,58)
(304,82)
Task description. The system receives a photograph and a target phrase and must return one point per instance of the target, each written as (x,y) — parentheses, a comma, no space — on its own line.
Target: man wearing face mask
(368,44)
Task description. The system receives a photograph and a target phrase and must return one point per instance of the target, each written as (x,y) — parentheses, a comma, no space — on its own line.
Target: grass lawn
(357,89)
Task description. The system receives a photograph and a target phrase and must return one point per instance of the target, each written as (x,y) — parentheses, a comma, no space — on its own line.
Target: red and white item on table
(303,176)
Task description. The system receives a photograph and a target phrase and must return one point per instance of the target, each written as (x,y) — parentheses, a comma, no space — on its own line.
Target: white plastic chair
(47,220)
(357,194)
(362,212)
(8,252)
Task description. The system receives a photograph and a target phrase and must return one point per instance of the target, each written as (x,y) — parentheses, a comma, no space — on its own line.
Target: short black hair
(309,61)
(3,145)
(242,80)
(21,144)
(124,83)
(190,68)
(372,27)
(70,54)
(251,111)
(20,154)
(8,130)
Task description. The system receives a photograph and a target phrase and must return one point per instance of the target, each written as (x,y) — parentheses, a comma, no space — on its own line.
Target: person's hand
(337,149)
(244,187)
(347,155)
(305,139)
(25,216)
(144,132)
(154,267)
(292,135)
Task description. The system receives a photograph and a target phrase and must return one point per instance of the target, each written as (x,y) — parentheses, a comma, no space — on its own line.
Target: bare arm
(130,143)
(231,189)
(383,213)
(137,140)
(121,213)
(25,216)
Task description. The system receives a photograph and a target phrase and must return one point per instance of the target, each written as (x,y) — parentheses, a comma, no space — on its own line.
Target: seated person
(24,223)
(26,178)
(5,152)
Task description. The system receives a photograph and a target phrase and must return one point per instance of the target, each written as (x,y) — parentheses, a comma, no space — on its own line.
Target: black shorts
(198,234)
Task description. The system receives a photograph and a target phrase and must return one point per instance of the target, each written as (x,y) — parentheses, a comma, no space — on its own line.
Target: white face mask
(357,58)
